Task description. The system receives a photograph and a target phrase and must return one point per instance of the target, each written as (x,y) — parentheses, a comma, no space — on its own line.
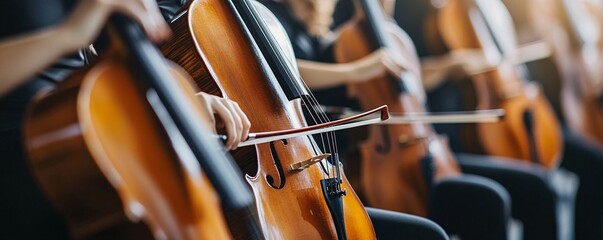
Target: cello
(301,192)
(398,163)
(119,150)
(530,130)
(578,60)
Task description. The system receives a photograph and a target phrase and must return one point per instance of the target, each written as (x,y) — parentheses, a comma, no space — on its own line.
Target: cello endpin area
(307,163)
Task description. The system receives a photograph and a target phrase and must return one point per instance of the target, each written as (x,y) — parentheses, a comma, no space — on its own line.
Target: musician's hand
(89,17)
(236,122)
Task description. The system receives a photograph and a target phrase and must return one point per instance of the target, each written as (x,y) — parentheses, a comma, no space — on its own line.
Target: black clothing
(412,16)
(394,225)
(488,194)
(24,211)
(24,16)
(312,48)
(20,17)
(586,161)
(579,157)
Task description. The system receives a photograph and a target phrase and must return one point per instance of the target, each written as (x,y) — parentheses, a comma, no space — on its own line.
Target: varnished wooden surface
(298,209)
(461,28)
(103,159)
(393,179)
(581,75)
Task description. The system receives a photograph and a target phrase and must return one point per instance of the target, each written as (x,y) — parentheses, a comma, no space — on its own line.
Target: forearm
(434,70)
(323,75)
(438,69)
(24,56)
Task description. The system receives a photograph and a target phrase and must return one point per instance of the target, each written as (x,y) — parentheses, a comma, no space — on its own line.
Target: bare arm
(23,56)
(318,75)
(435,69)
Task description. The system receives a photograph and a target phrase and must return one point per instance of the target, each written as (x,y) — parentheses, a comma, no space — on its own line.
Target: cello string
(299,90)
(309,106)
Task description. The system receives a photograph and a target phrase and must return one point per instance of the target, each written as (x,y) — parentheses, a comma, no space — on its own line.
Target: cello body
(212,44)
(103,158)
(530,130)
(578,59)
(398,163)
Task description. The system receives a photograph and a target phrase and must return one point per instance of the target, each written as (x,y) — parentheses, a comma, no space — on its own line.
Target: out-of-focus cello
(121,151)
(530,130)
(399,162)
(301,192)
(574,32)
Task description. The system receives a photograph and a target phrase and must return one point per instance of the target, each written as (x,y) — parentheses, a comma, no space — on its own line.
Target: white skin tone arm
(23,56)
(318,75)
(435,69)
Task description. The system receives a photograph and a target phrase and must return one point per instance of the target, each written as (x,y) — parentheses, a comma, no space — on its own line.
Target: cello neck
(270,55)
(375,19)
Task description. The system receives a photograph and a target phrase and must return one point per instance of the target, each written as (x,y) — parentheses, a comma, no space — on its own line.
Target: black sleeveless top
(412,17)
(312,48)
(24,212)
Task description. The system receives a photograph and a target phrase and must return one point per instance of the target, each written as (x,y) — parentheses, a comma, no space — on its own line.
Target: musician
(526,183)
(579,156)
(34,34)
(309,24)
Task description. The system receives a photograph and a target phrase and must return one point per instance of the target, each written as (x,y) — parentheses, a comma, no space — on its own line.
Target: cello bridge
(307,163)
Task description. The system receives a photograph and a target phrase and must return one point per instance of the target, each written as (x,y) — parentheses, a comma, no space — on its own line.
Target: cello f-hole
(385,145)
(279,167)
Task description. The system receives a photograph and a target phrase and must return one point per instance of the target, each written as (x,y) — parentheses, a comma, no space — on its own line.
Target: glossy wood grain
(570,28)
(103,159)
(295,208)
(462,26)
(391,173)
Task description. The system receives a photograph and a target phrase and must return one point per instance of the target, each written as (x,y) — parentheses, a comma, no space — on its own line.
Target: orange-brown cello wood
(501,87)
(392,178)
(211,46)
(103,159)
(578,60)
